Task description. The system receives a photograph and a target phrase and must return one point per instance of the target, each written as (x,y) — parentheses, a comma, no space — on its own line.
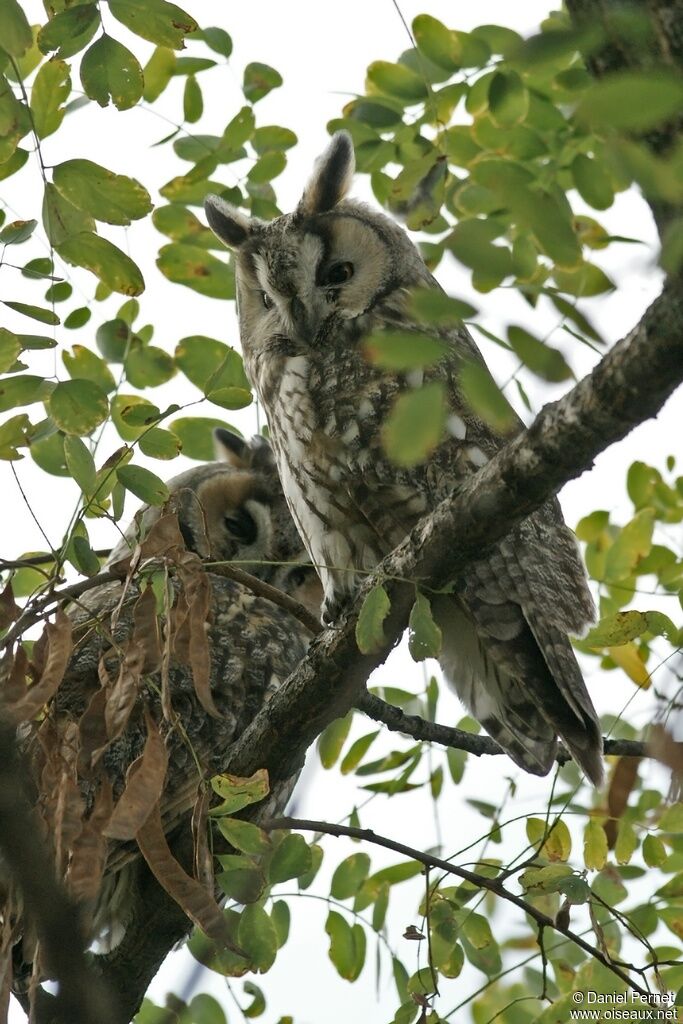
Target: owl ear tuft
(331,179)
(240,454)
(226,221)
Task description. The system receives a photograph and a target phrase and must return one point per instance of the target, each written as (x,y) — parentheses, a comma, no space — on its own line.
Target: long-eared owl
(172,648)
(311,287)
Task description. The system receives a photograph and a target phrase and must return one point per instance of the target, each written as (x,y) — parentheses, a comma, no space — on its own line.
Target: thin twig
(480,881)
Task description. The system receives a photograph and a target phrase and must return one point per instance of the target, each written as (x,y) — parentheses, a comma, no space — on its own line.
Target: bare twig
(480,881)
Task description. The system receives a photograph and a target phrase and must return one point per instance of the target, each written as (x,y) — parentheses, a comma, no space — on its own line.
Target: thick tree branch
(493,885)
(82,997)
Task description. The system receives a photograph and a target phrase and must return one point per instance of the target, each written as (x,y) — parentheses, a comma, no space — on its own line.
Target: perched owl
(311,287)
(128,676)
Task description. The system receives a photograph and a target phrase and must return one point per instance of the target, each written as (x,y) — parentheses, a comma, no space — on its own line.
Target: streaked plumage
(231,510)
(312,286)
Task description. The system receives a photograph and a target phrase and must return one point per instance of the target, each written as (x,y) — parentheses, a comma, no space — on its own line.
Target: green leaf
(592,182)
(103,259)
(216,369)
(196,436)
(238,792)
(143,484)
(61,218)
(627,842)
(77,406)
(357,752)
(13,436)
(242,880)
(434,307)
(110,71)
(403,350)
(193,104)
(216,39)
(632,100)
(672,819)
(424,635)
(291,858)
(15,31)
(15,162)
(70,30)
(19,391)
(156,20)
(396,80)
(654,851)
(257,937)
(80,463)
(244,836)
(347,946)
(44,316)
(85,365)
(197,269)
(436,42)
(204,1009)
(159,444)
(471,241)
(147,366)
(541,359)
(267,167)
(48,453)
(272,137)
(587,280)
(485,398)
(114,198)
(633,544)
(349,876)
(370,625)
(415,424)
(281,919)
(594,846)
(158,72)
(10,347)
(332,740)
(508,99)
(77,318)
(259,80)
(615,630)
(51,88)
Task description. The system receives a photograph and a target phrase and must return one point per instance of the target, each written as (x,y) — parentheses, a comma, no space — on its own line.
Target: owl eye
(339,273)
(266,299)
(242,526)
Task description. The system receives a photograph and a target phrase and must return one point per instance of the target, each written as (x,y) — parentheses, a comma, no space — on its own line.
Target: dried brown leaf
(203,858)
(198,593)
(57,652)
(145,633)
(13,673)
(144,786)
(164,536)
(621,786)
(92,729)
(9,609)
(188,893)
(124,693)
(89,854)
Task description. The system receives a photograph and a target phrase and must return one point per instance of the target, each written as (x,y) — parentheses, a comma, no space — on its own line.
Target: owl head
(306,274)
(233,510)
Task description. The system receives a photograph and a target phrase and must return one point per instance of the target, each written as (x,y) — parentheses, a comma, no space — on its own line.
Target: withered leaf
(188,893)
(203,858)
(144,786)
(124,692)
(164,536)
(89,853)
(9,609)
(58,650)
(146,630)
(92,729)
(620,788)
(13,673)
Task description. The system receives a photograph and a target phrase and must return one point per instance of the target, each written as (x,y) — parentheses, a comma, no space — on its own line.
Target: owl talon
(331,610)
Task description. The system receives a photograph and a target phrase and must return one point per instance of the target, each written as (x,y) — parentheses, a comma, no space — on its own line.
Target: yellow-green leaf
(80,463)
(259,80)
(237,792)
(77,406)
(112,266)
(10,347)
(594,846)
(159,22)
(415,424)
(370,625)
(83,364)
(632,100)
(50,90)
(197,269)
(110,71)
(485,398)
(158,72)
(15,31)
(424,634)
(70,30)
(45,316)
(332,740)
(143,484)
(508,98)
(114,198)
(672,819)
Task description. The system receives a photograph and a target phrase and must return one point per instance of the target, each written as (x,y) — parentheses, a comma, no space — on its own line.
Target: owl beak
(300,317)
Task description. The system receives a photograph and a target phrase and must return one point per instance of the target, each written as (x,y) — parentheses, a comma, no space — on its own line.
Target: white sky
(322,52)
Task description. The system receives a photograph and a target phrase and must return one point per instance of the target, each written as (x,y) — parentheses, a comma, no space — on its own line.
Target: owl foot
(332,607)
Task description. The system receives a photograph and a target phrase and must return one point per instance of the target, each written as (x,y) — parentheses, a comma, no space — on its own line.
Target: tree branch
(82,997)
(412,725)
(480,881)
